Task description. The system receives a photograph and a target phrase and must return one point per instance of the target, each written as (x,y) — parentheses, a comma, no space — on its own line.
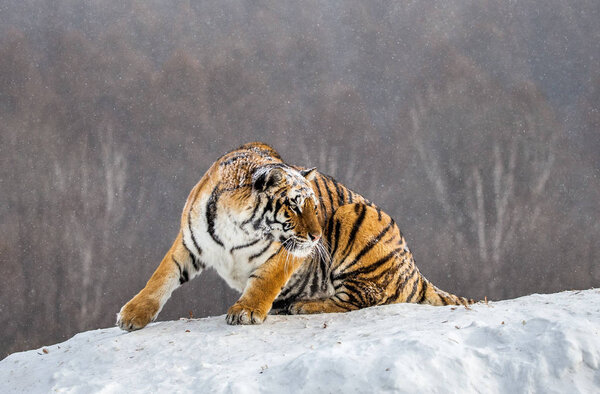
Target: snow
(537,343)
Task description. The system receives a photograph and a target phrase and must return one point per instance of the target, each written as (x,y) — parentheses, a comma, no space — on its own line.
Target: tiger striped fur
(291,240)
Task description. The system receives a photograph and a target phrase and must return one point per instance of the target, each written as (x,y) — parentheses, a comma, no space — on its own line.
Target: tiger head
(291,207)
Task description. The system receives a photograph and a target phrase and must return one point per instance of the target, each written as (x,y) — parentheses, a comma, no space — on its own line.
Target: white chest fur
(234,252)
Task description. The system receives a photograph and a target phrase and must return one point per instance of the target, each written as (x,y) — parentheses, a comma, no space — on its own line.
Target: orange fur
(363,259)
(264,285)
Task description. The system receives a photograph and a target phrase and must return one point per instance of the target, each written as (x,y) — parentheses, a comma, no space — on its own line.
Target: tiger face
(291,207)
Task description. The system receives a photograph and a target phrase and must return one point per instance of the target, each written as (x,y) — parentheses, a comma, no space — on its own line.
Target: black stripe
(280,191)
(256,223)
(402,284)
(350,196)
(316,282)
(355,229)
(397,269)
(402,242)
(234,188)
(444,300)
(324,270)
(275,253)
(329,229)
(283,295)
(338,225)
(183,274)
(285,292)
(319,191)
(339,192)
(423,292)
(234,158)
(211,214)
(389,273)
(414,289)
(245,245)
(300,288)
(371,244)
(337,284)
(354,292)
(197,262)
(185,277)
(193,200)
(253,213)
(185,245)
(338,301)
(278,206)
(178,265)
(268,206)
(337,296)
(194,261)
(192,257)
(198,249)
(390,240)
(367,268)
(264,250)
(328,193)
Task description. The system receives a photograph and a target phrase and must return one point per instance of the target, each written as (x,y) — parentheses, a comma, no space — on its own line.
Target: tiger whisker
(288,244)
(322,249)
(286,263)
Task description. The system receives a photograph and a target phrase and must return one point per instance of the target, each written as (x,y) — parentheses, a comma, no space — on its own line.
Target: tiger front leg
(176,268)
(263,286)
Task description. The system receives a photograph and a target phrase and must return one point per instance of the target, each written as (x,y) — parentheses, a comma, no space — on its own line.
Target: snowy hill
(538,343)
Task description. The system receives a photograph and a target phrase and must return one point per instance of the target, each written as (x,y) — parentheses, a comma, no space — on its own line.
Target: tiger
(290,239)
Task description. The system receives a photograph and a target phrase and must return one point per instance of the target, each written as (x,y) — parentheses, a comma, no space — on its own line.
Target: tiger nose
(314,236)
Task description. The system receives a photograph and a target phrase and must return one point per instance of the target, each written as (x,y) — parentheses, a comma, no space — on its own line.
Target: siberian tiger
(291,240)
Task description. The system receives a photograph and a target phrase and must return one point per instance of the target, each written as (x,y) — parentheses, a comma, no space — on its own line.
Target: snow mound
(538,343)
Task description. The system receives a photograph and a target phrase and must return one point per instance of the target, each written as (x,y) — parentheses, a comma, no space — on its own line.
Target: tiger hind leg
(437,297)
(328,305)
(370,258)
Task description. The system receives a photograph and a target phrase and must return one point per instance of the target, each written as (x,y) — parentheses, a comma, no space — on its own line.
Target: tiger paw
(297,308)
(137,313)
(315,306)
(241,314)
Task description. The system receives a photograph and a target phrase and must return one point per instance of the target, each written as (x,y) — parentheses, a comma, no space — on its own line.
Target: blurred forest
(475,124)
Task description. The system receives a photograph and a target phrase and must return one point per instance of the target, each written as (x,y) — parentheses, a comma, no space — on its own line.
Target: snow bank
(539,343)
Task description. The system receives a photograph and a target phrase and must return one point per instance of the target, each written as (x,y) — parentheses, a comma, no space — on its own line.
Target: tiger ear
(309,174)
(264,178)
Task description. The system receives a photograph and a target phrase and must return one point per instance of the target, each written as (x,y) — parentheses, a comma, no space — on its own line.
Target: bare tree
(488,166)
